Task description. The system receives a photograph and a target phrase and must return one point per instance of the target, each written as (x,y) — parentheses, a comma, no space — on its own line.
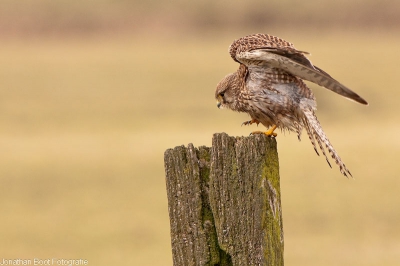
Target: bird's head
(225,92)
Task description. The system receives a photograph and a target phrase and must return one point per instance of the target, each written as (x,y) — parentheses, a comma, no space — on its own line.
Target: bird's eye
(222,94)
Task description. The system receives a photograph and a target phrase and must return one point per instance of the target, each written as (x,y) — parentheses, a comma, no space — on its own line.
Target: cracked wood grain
(224,202)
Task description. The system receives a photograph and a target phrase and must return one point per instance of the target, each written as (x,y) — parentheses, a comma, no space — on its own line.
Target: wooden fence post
(224,202)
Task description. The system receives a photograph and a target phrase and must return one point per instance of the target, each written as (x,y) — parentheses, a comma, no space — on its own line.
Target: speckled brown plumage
(269,87)
(258,41)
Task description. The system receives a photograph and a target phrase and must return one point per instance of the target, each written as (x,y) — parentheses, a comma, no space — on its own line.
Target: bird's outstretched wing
(262,49)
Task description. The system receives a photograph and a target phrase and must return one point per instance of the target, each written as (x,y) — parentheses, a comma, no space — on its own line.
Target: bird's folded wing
(302,69)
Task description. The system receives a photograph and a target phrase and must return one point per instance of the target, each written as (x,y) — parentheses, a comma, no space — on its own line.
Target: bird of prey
(269,87)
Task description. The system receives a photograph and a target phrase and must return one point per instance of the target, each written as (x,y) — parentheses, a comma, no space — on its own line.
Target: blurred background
(94,92)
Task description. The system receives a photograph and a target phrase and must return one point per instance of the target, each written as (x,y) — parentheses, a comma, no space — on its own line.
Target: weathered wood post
(224,202)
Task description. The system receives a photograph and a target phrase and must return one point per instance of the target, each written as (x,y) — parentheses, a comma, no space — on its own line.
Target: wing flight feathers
(299,66)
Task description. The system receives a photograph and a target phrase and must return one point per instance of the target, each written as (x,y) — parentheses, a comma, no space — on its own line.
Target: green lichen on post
(271,166)
(203,155)
(217,255)
(272,218)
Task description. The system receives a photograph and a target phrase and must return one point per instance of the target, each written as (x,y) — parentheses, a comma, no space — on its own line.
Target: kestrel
(269,87)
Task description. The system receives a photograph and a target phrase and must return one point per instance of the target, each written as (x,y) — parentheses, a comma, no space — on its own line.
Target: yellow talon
(269,132)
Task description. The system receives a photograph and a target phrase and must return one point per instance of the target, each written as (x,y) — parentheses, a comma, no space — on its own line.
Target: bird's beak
(219,104)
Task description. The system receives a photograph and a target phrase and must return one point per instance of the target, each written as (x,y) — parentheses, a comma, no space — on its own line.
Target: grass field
(84,123)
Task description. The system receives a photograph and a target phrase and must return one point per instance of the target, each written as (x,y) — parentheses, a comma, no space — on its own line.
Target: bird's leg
(270,132)
(250,122)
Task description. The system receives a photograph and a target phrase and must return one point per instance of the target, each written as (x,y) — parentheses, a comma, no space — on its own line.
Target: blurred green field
(84,123)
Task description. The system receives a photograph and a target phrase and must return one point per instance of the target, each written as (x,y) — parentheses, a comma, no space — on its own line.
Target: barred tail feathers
(316,133)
